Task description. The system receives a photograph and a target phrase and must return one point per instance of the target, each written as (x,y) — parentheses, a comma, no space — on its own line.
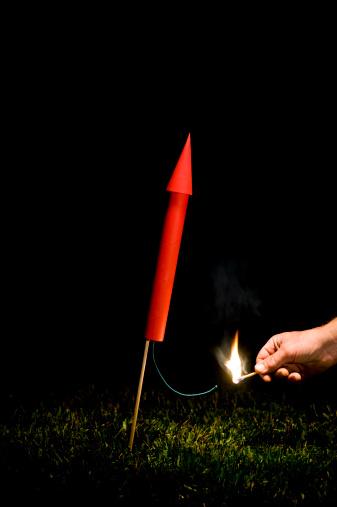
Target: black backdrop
(86,203)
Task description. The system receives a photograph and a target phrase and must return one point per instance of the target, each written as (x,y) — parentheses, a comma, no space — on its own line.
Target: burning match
(234,363)
(243,377)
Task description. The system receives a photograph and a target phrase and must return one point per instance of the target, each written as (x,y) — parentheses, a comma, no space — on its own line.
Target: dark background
(93,142)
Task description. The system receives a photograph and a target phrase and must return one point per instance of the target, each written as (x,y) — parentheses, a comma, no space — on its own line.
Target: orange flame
(234,363)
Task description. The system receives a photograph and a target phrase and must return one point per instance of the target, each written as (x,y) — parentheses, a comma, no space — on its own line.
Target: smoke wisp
(233,298)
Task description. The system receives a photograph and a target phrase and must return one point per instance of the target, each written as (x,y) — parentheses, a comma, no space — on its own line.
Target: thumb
(271,363)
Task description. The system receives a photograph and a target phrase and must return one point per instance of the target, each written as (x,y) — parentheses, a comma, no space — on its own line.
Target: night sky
(88,202)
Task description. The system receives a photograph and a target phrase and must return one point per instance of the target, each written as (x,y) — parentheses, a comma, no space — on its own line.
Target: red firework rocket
(180,186)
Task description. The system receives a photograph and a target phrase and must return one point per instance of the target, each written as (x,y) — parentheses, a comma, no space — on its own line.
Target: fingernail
(260,368)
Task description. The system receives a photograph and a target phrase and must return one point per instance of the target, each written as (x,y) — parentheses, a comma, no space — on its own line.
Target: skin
(297,355)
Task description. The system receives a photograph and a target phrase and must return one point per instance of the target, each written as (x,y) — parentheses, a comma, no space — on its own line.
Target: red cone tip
(181,179)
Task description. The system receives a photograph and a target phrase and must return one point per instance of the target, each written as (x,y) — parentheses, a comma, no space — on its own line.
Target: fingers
(266,378)
(274,355)
(286,373)
(269,348)
(278,358)
(271,363)
(295,377)
(281,373)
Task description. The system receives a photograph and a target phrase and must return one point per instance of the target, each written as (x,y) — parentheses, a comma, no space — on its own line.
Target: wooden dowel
(140,385)
(243,377)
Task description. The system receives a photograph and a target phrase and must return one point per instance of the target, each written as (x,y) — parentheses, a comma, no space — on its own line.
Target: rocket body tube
(166,267)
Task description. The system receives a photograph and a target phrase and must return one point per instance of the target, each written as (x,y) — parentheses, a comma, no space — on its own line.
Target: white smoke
(232,296)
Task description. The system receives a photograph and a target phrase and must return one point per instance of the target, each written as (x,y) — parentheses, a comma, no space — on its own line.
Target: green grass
(225,448)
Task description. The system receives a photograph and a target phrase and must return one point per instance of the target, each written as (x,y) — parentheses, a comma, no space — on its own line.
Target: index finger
(267,350)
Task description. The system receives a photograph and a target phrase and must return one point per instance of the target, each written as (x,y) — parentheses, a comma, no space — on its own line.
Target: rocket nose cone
(181,179)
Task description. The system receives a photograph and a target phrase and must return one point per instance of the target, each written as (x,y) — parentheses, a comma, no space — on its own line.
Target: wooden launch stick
(140,385)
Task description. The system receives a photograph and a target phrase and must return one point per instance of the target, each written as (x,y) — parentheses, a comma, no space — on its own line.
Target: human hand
(298,354)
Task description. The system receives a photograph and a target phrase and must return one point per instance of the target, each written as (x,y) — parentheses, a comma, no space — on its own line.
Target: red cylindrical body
(166,267)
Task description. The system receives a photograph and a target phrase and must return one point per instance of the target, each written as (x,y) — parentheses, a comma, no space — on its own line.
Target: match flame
(234,363)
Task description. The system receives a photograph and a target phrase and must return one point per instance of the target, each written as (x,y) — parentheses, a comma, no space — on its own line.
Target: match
(243,377)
